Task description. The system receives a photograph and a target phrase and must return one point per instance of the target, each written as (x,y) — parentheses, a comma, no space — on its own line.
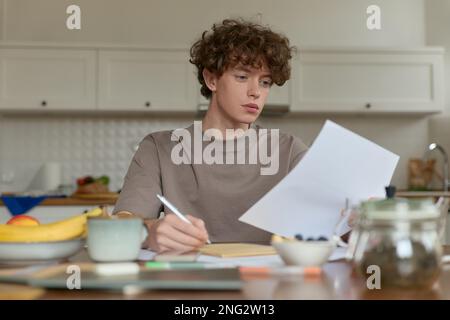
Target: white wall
(2,19)
(175,23)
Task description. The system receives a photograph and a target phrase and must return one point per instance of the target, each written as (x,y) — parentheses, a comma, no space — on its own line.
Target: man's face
(241,92)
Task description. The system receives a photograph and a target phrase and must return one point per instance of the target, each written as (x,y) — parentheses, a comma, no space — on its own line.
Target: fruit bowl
(304,253)
(24,253)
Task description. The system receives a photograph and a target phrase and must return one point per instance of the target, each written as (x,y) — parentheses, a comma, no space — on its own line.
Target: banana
(57,231)
(96,212)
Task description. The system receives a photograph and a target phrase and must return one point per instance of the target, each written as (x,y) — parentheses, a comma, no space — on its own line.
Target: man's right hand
(172,234)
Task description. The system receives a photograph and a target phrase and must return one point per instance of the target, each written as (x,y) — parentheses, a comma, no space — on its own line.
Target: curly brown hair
(236,42)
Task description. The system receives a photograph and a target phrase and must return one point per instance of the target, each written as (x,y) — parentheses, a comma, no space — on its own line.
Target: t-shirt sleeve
(299,149)
(142,182)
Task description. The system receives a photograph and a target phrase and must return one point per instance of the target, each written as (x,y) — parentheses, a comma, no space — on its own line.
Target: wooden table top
(338,281)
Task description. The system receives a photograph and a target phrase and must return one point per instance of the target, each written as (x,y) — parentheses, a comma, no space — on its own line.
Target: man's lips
(251,105)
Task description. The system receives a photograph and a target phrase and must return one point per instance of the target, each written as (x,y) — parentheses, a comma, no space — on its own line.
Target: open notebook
(222,250)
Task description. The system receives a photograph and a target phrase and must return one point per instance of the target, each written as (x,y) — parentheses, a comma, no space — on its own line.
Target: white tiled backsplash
(82,146)
(100,145)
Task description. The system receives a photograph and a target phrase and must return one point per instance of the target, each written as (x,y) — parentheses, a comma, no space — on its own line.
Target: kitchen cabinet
(47,79)
(146,80)
(280,96)
(127,79)
(369,81)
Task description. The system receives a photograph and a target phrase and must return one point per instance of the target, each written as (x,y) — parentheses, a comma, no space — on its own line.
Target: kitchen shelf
(69,201)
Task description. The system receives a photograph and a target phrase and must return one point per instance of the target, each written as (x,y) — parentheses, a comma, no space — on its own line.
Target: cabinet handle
(44,103)
(148,104)
(368,105)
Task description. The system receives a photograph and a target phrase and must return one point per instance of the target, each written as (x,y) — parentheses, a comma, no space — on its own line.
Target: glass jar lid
(400,208)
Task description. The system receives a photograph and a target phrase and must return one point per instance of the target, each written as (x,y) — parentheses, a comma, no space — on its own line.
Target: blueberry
(310,239)
(299,237)
(322,238)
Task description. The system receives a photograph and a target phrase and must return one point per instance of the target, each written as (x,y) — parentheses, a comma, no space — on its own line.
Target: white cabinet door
(369,81)
(146,80)
(32,79)
(279,96)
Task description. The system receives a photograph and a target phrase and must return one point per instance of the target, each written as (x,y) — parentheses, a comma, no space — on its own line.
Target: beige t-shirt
(218,193)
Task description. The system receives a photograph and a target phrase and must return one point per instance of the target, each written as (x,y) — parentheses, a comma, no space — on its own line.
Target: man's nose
(253,89)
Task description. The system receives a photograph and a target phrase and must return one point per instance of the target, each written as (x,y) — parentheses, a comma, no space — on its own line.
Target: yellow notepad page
(229,250)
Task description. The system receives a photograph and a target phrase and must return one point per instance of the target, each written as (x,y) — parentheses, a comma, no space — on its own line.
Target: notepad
(229,250)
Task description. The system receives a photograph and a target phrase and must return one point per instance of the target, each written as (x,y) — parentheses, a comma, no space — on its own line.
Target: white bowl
(24,253)
(304,253)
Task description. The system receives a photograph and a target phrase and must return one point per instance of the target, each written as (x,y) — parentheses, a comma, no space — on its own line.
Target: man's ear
(210,79)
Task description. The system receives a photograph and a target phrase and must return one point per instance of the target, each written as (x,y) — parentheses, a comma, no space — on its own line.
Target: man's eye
(241,77)
(266,83)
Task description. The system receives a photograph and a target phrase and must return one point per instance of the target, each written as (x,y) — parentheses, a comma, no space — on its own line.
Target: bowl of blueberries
(309,252)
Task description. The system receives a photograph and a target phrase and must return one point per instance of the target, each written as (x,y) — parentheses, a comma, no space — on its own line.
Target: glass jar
(401,237)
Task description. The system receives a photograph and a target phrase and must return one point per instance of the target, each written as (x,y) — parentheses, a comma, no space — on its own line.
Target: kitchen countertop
(111,200)
(72,201)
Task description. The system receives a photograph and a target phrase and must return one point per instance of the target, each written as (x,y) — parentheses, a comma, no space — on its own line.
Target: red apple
(23,220)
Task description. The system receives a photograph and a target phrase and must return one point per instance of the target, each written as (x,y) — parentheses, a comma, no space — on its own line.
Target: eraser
(114,269)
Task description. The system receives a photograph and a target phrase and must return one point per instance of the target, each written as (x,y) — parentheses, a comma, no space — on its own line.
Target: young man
(237,64)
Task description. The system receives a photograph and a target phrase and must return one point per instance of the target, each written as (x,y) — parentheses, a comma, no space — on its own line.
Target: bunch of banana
(66,229)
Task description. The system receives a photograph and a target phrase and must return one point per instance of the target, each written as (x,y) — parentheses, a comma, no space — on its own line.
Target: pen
(176,211)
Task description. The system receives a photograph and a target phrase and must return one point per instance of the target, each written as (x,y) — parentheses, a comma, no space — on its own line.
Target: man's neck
(215,118)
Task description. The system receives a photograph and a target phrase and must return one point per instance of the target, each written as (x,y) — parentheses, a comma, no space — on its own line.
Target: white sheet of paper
(340,164)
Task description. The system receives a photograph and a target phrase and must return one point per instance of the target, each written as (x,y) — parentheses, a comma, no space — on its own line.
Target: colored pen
(176,211)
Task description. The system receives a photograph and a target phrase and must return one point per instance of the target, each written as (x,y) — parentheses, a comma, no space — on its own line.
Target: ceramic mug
(114,240)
